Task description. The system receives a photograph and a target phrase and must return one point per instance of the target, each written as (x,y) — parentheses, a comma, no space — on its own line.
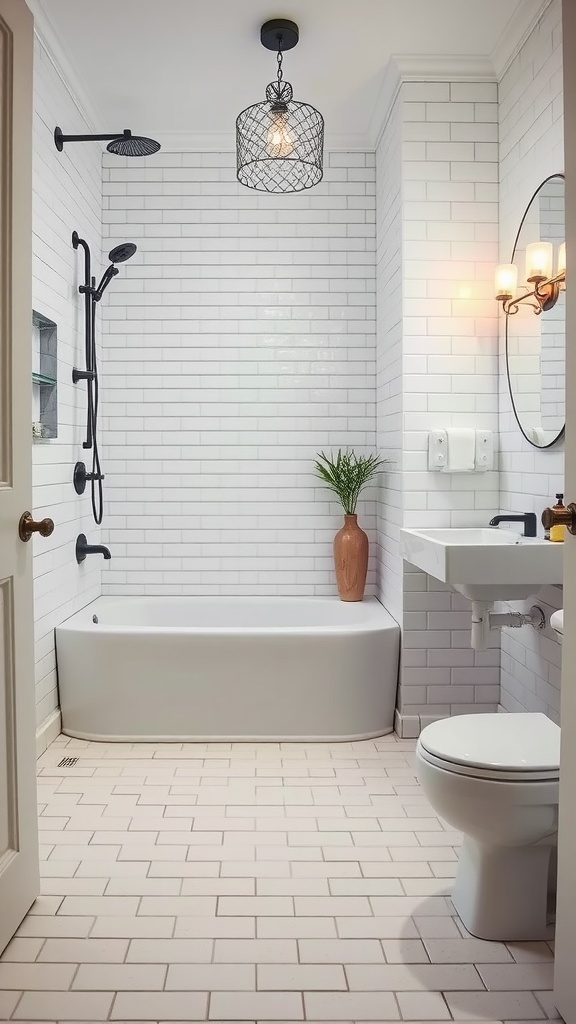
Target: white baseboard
(47,732)
(407,727)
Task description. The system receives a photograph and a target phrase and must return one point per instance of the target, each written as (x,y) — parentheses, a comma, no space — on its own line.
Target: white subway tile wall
(240,341)
(531,148)
(437,349)
(67,196)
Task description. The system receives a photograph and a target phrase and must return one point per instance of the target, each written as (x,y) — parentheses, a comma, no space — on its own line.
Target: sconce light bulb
(539,260)
(280,140)
(506,280)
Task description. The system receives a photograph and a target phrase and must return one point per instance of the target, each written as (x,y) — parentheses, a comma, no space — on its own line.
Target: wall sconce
(539,269)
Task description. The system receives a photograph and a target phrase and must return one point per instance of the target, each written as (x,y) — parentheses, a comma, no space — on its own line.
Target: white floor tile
(160,1006)
(214,977)
(424,1006)
(256,951)
(351,1006)
(301,977)
(413,977)
(341,951)
(64,1006)
(256,883)
(83,951)
(501,977)
(284,1006)
(477,1006)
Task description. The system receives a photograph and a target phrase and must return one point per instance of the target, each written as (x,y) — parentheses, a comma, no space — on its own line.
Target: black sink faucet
(83,548)
(528,518)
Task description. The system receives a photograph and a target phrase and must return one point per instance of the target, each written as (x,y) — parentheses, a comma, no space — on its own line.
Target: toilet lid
(521,744)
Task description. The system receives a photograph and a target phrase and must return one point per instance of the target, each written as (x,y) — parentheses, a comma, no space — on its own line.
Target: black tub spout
(83,548)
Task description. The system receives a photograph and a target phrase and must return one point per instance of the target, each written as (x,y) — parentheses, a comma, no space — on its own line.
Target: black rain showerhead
(122,252)
(121,144)
(133,145)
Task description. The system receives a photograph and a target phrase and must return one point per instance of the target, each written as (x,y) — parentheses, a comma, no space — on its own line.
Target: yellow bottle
(557,533)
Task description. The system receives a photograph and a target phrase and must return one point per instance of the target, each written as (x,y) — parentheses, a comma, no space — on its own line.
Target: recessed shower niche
(44,377)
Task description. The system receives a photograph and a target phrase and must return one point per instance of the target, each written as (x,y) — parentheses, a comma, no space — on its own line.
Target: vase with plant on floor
(346,474)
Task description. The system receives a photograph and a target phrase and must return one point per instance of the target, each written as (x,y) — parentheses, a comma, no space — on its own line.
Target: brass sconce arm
(546,292)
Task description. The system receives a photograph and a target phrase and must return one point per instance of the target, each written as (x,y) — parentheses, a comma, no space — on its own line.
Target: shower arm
(60,138)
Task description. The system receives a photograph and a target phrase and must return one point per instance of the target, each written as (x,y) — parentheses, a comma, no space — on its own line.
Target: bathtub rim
(377,620)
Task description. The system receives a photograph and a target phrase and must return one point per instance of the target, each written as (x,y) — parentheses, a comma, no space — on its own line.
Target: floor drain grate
(67,762)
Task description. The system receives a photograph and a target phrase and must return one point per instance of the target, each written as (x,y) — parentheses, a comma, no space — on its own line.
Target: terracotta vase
(351,559)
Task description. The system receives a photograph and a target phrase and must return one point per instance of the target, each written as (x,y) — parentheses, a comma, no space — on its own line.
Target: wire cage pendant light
(279,142)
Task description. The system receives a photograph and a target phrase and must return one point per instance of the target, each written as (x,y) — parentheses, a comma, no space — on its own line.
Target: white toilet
(495,778)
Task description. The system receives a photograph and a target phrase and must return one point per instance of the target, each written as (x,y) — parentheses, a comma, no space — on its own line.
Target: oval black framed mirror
(536,340)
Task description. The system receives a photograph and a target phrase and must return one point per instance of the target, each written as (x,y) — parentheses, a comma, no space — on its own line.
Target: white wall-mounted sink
(486,564)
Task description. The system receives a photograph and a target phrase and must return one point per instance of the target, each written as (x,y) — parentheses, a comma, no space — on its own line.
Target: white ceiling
(189,66)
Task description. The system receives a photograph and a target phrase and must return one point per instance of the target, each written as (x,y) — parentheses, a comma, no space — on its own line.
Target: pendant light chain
(279,59)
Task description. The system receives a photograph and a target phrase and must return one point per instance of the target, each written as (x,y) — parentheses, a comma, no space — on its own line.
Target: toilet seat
(502,747)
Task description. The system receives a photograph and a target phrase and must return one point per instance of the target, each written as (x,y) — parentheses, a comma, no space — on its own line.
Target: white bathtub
(218,668)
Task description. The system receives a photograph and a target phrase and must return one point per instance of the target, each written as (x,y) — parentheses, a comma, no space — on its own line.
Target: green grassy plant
(346,473)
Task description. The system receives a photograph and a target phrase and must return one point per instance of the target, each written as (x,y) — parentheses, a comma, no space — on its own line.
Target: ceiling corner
(51,41)
(525,18)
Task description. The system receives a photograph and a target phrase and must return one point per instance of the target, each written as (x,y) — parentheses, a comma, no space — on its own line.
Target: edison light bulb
(506,280)
(280,141)
(539,256)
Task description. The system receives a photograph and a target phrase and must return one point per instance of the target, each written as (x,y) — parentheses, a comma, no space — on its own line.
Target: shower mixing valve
(81,476)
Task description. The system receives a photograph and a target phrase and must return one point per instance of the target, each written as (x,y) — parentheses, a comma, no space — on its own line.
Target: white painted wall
(531,148)
(240,341)
(67,195)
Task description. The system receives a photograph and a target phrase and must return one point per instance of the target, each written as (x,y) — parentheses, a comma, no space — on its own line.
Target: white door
(18,831)
(565,980)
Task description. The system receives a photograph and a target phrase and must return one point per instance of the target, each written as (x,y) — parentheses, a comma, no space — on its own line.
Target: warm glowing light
(539,259)
(506,280)
(464,292)
(280,141)
(562,259)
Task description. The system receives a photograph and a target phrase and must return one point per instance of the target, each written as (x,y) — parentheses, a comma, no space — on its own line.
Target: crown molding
(52,43)
(412,68)
(515,33)
(444,68)
(223,142)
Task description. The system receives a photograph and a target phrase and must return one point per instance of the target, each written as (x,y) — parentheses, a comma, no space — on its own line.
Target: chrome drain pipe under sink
(484,620)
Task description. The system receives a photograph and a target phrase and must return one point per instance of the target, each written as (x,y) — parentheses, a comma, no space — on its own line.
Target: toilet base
(501,892)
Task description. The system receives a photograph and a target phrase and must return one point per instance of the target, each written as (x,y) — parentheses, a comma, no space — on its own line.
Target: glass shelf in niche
(41,378)
(44,377)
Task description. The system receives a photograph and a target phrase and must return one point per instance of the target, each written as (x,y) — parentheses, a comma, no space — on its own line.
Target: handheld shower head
(119,254)
(132,145)
(122,252)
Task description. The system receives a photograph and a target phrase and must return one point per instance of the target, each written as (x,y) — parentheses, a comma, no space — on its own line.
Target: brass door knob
(560,517)
(27,526)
